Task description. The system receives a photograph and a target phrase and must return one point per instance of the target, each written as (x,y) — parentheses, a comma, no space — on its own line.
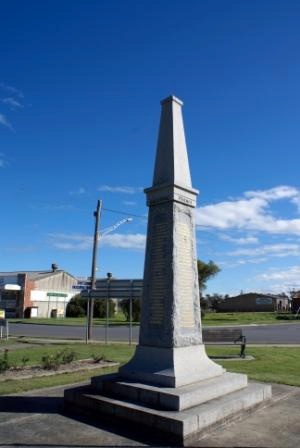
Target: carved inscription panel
(185,274)
(158,272)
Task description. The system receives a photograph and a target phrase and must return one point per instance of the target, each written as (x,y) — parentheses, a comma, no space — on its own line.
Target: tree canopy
(205,272)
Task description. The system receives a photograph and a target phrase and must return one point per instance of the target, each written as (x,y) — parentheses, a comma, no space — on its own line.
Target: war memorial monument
(170,384)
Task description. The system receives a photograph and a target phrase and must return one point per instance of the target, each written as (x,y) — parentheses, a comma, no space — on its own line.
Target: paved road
(255,334)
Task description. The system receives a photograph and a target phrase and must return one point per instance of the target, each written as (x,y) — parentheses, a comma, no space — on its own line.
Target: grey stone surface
(171,367)
(170,353)
(170,333)
(36,419)
(168,398)
(182,426)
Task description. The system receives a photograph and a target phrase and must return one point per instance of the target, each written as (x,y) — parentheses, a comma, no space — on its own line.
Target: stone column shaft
(170,350)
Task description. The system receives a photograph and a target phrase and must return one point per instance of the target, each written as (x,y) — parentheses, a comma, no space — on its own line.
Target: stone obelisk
(170,331)
(170,384)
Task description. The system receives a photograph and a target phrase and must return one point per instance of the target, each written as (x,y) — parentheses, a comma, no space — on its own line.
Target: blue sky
(80,90)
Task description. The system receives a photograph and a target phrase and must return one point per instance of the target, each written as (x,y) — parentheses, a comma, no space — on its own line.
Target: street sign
(81,287)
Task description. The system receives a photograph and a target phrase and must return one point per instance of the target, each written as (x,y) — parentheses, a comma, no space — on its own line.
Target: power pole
(97,214)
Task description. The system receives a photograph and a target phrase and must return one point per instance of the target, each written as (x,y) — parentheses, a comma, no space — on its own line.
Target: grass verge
(209,319)
(270,364)
(247,318)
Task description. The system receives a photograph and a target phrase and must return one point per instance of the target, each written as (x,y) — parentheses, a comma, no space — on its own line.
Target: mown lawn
(247,318)
(118,319)
(208,320)
(270,364)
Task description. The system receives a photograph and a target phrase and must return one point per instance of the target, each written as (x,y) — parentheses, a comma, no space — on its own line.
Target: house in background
(253,301)
(36,293)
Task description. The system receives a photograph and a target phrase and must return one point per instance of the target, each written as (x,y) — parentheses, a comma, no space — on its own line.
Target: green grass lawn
(208,320)
(118,319)
(246,318)
(270,364)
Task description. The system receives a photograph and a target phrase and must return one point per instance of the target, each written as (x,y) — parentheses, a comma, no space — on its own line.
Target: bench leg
(243,348)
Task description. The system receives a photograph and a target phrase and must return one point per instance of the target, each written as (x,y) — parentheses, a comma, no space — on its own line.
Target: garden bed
(15,373)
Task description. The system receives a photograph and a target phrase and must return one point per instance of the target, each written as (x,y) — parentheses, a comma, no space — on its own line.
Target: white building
(36,293)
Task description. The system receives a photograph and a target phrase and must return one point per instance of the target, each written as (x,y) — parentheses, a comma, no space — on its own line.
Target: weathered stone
(170,383)
(170,333)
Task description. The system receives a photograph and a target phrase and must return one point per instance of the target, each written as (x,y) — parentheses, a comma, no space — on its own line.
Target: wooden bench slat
(225,336)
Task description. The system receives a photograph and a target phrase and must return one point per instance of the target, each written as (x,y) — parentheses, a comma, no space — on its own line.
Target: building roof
(35,275)
(257,294)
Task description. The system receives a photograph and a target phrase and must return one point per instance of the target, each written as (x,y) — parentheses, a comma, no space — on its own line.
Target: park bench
(225,336)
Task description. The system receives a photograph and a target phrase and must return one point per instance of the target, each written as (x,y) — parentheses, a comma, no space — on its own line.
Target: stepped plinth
(170,383)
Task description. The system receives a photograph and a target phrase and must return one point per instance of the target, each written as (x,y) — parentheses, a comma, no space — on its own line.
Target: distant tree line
(77,307)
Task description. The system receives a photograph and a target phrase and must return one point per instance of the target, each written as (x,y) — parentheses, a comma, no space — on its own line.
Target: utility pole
(97,215)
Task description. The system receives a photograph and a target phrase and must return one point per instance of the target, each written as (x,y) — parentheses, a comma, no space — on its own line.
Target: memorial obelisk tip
(171,165)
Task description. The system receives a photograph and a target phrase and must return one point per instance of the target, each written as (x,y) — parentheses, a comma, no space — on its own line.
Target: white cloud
(251,212)
(84,242)
(129,241)
(274,194)
(77,192)
(4,122)
(71,241)
(282,280)
(3,160)
(12,103)
(242,241)
(274,250)
(296,201)
(11,90)
(129,203)
(120,189)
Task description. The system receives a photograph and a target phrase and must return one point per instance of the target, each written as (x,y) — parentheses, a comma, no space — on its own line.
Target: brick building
(254,302)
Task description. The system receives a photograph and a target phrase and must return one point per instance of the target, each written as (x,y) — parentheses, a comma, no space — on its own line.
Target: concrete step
(182,426)
(172,399)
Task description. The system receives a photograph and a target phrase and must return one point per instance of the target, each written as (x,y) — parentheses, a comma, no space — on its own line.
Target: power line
(204,227)
(124,213)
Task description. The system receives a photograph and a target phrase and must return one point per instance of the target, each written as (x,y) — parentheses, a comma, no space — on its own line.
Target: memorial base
(170,367)
(180,415)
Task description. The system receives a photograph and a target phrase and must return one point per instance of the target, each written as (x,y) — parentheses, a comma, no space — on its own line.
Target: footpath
(37,419)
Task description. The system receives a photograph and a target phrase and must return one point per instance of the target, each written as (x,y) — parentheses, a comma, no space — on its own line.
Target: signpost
(114,289)
(3,323)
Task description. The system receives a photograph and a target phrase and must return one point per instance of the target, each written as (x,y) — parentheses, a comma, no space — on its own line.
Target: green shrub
(97,358)
(286,317)
(77,307)
(136,309)
(67,356)
(100,308)
(52,362)
(24,361)
(4,362)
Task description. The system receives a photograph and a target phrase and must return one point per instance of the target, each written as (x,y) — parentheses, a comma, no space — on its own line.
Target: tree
(100,308)
(136,309)
(77,307)
(205,272)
